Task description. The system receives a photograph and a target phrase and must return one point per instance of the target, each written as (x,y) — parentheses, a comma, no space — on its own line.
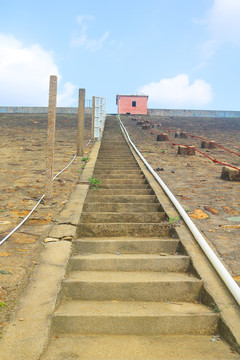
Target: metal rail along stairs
(131,291)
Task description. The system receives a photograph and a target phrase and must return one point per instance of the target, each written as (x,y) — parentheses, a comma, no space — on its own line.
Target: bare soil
(195,180)
(22,163)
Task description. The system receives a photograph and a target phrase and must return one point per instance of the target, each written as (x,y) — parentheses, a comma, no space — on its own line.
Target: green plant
(2,305)
(163,151)
(95,182)
(172,220)
(216,309)
(85,159)
(1,210)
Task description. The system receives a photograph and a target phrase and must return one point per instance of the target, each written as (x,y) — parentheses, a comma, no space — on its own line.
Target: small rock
(118,253)
(159,169)
(68,238)
(211,210)
(21,319)
(3,294)
(50,239)
(5,222)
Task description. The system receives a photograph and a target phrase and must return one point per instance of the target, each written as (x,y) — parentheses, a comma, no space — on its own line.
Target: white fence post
(99,115)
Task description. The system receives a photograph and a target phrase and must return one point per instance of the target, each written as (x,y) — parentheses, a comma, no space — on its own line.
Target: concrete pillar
(204,144)
(162,137)
(230,174)
(81,114)
(183,135)
(212,145)
(51,138)
(93,117)
(183,150)
(208,144)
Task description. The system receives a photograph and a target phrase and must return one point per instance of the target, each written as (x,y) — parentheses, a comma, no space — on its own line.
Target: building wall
(125,105)
(194,113)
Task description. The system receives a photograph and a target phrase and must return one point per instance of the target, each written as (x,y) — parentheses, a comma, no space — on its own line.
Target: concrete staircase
(130,292)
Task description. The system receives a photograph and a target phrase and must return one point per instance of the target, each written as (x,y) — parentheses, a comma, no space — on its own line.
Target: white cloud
(24,74)
(223,25)
(84,19)
(177,92)
(68,96)
(82,39)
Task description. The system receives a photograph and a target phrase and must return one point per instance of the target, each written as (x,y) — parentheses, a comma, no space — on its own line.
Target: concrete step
(125,175)
(125,186)
(136,347)
(128,217)
(123,157)
(114,166)
(127,318)
(120,198)
(109,155)
(125,229)
(127,245)
(118,161)
(130,262)
(125,191)
(131,286)
(113,172)
(123,181)
(121,207)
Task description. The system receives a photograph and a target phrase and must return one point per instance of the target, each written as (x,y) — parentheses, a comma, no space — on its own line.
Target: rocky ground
(212,203)
(22,164)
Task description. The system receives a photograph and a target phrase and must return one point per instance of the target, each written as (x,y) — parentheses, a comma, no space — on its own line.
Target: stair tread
(131,308)
(127,239)
(129,256)
(135,347)
(132,276)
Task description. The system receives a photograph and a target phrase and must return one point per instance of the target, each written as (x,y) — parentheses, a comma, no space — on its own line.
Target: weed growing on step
(173,220)
(95,182)
(216,309)
(85,159)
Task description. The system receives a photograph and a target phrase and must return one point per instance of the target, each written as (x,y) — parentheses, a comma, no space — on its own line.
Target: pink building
(132,104)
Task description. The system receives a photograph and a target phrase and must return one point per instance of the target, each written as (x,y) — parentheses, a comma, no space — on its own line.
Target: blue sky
(183,54)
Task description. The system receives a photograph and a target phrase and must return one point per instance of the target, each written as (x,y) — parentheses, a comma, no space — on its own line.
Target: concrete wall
(40,110)
(194,113)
